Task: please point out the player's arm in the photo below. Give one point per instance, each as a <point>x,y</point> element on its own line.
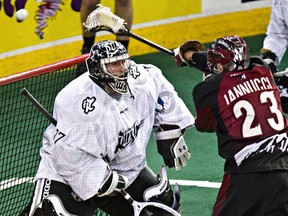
<point>205,120</point>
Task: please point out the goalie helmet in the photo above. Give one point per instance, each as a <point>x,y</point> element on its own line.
<point>228,53</point>
<point>109,62</point>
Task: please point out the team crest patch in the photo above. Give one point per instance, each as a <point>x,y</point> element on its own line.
<point>88,104</point>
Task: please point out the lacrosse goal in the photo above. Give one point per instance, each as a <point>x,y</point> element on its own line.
<point>22,127</point>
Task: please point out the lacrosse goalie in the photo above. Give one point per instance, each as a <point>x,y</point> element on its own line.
<point>98,147</point>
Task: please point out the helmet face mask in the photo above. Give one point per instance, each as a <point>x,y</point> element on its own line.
<point>109,62</point>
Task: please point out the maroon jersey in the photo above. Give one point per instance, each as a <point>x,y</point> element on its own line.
<point>244,109</point>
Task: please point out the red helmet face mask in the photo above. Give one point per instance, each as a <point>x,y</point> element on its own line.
<point>221,56</point>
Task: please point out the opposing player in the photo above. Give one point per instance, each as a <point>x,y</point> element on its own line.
<point>240,102</point>
<point>275,45</point>
<point>104,120</point>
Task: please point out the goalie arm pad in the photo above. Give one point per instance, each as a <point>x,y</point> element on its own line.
<point>171,145</point>
<point>183,53</point>
<point>114,182</point>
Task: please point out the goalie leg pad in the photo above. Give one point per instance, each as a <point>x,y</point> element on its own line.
<point>53,206</point>
<point>163,193</point>
<point>159,188</point>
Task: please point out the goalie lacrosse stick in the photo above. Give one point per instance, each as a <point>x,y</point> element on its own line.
<point>149,208</point>
<point>30,97</point>
<point>102,19</point>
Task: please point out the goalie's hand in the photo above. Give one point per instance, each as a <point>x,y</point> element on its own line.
<point>179,52</point>
<point>112,184</point>
<point>171,145</point>
<point>269,57</point>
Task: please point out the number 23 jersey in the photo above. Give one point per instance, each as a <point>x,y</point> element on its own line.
<point>244,109</point>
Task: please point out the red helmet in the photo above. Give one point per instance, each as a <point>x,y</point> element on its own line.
<point>229,52</point>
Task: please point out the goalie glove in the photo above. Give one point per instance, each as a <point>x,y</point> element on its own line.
<point>171,145</point>
<point>114,182</point>
<point>191,45</point>
<point>269,57</point>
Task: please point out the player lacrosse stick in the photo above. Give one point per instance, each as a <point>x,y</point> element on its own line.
<point>102,19</point>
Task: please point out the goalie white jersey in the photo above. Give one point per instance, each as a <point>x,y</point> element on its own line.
<point>92,125</point>
<point>277,30</point>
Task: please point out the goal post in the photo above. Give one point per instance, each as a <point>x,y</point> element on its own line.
<point>22,128</point>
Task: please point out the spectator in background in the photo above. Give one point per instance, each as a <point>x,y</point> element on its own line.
<point>275,45</point>
<point>123,9</point>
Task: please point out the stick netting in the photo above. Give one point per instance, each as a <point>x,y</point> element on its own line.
<point>22,127</point>
<point>102,18</point>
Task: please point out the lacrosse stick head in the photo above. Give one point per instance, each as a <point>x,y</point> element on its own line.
<point>102,19</point>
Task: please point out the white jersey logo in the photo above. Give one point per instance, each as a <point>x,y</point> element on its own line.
<point>128,137</point>
<point>87,104</point>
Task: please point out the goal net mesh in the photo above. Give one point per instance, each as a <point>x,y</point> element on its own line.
<point>22,128</point>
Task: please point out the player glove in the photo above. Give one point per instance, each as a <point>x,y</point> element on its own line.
<point>192,45</point>
<point>171,145</point>
<point>114,182</point>
<point>269,57</point>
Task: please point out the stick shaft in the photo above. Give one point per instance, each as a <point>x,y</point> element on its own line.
<point>30,97</point>
<point>150,43</point>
